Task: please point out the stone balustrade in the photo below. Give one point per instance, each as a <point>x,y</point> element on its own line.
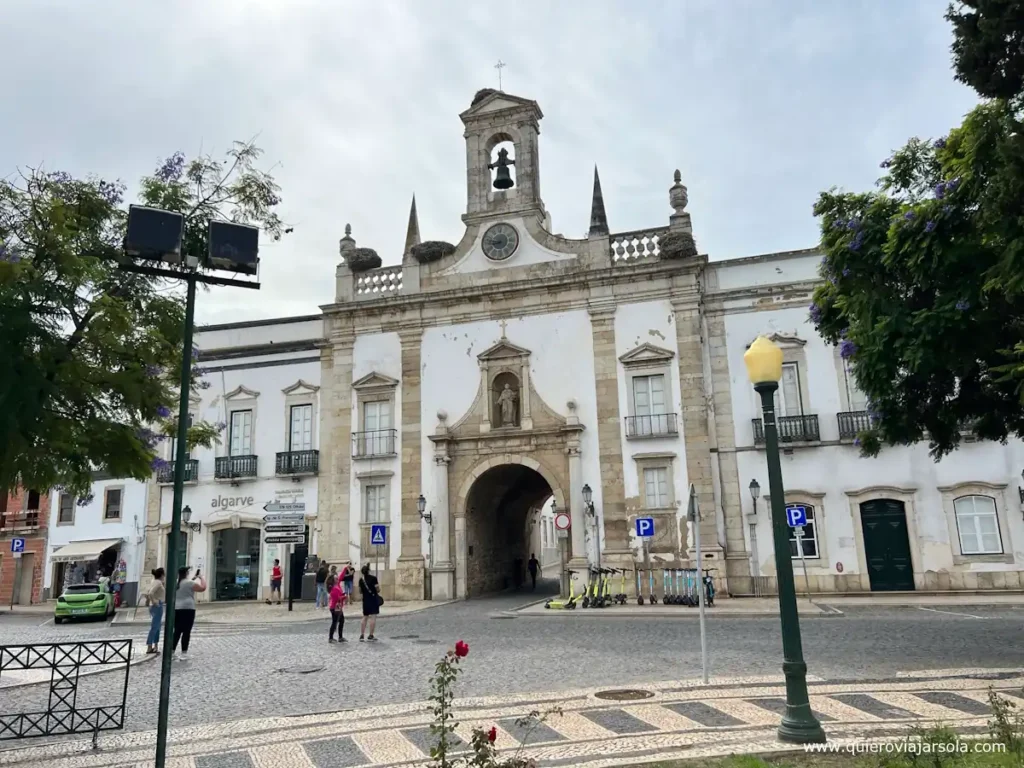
<point>374,283</point>
<point>641,244</point>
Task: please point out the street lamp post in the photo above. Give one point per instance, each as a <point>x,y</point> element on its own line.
<point>755,493</point>
<point>799,726</point>
<point>186,517</point>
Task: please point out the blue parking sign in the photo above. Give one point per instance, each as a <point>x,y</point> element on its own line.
<point>796,516</point>
<point>17,545</point>
<point>645,527</point>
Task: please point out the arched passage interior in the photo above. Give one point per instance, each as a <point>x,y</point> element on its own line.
<point>502,511</point>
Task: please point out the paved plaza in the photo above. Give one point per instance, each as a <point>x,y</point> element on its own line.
<point>263,688</point>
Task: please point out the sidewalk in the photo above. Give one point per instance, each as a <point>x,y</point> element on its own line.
<point>597,726</point>
<point>260,613</point>
<point>832,604</point>
<point>14,678</point>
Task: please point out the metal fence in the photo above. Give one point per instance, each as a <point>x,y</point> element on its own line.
<point>64,661</point>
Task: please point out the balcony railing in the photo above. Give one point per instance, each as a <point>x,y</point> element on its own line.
<point>165,475</point>
<point>657,425</point>
<point>852,423</point>
<point>298,463</point>
<point>379,443</point>
<point>13,521</point>
<point>791,429</point>
<point>231,467</point>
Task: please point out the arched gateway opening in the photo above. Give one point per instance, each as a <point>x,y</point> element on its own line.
<point>502,527</point>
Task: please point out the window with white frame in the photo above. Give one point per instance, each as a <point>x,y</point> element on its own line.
<point>376,415</point>
<point>978,525</point>
<point>656,488</point>
<point>788,401</point>
<point>240,439</point>
<point>648,401</point>
<point>66,510</point>
<point>375,502</point>
<point>300,436</point>
<point>854,396</point>
<point>809,538</point>
<point>112,504</point>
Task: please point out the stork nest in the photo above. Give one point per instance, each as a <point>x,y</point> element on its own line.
<point>482,94</point>
<point>363,259</point>
<point>677,245</point>
<point>432,250</point>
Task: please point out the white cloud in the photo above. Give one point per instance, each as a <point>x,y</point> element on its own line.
<point>760,105</point>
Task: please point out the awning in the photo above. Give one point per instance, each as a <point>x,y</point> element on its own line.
<point>83,551</point>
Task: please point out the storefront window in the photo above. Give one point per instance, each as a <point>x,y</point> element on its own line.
<point>237,571</point>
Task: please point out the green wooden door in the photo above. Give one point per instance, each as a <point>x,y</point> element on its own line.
<point>887,545</point>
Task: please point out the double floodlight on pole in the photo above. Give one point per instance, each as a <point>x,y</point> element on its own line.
<point>764,366</point>
<point>155,235</point>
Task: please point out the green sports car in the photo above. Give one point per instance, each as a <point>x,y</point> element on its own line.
<point>84,601</point>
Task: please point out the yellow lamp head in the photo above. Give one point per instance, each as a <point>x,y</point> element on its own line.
<point>764,361</point>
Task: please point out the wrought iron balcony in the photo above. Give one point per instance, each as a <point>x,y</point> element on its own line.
<point>852,423</point>
<point>656,425</point>
<point>232,467</point>
<point>368,444</point>
<point>791,429</point>
<point>297,463</point>
<point>165,475</point>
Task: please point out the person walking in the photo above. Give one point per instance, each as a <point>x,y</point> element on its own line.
<point>321,584</point>
<point>348,574</point>
<point>275,582</point>
<point>332,579</point>
<point>336,602</point>
<point>369,588</point>
<point>532,566</point>
<point>185,609</point>
<point>155,596</point>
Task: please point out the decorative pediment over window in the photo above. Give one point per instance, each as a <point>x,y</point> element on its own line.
<point>503,351</point>
<point>241,393</point>
<point>645,355</point>
<point>301,387</point>
<point>374,380</point>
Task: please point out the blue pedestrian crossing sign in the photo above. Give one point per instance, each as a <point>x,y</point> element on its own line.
<point>17,545</point>
<point>645,527</point>
<point>378,535</point>
<point>796,516</point>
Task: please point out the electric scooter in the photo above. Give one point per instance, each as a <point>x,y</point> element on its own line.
<point>639,586</point>
<point>621,597</point>
<point>666,587</point>
<point>652,599</point>
<point>569,603</point>
<point>709,588</point>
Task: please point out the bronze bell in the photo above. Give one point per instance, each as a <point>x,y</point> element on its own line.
<point>503,179</point>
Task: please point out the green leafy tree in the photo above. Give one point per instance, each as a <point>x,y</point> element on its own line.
<point>924,277</point>
<point>91,353</point>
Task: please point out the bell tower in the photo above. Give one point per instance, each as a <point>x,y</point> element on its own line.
<point>496,118</point>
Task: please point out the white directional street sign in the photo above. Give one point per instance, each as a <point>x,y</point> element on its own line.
<point>290,538</point>
<point>284,527</point>
<point>285,506</point>
<point>285,517</point>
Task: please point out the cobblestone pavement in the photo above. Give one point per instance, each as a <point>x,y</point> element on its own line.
<point>247,671</point>
<point>592,727</point>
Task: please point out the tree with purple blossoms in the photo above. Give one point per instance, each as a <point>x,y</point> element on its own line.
<point>923,286</point>
<point>91,353</point>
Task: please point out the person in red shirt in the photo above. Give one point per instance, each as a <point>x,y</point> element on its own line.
<point>275,582</point>
<point>336,602</point>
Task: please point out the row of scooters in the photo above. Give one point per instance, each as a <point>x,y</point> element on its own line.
<point>678,587</point>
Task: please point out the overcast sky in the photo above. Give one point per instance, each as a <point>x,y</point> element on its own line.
<point>760,105</point>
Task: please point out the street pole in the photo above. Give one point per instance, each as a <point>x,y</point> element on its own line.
<point>694,515</point>
<point>180,453</point>
<point>799,726</point>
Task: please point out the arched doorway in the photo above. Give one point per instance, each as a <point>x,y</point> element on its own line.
<point>502,508</point>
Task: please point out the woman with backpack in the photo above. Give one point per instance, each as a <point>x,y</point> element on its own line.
<point>369,588</point>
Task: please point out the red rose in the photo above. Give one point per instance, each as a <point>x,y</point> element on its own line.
<point>492,734</point>
<point>461,649</point>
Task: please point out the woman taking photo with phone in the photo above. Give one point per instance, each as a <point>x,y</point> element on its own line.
<point>185,609</point>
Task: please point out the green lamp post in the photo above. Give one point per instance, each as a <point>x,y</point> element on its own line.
<point>799,726</point>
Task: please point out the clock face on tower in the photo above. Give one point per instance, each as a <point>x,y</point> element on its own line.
<point>500,242</point>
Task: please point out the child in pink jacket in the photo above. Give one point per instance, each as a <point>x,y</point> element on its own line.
<point>336,601</point>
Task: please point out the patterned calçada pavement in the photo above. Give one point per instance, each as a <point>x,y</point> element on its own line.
<point>668,720</point>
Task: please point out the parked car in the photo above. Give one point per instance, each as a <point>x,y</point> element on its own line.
<point>84,601</point>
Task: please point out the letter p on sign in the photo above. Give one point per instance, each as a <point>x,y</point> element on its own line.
<point>645,527</point>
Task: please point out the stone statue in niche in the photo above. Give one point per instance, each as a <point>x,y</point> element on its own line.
<point>506,400</point>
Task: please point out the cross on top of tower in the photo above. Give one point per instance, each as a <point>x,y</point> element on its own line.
<point>503,322</point>
<point>500,66</point>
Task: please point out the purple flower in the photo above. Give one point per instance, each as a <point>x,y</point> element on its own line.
<point>163,411</point>
<point>852,224</point>
<point>221,426</point>
<point>60,177</point>
<point>815,313</point>
<point>84,501</point>
<point>940,190</point>
<point>9,254</point>
<point>148,437</point>
<point>198,372</point>
<point>856,441</point>
<point>909,215</point>
<point>153,371</point>
<point>172,168</point>
<point>963,305</point>
<point>111,192</point>
<point>939,144</point>
<point>838,224</point>
<point>195,353</point>
<point>947,209</point>
<point>929,227</point>
<point>953,184</point>
<point>204,384</point>
<point>157,464</point>
<point>847,349</point>
<point>857,241</point>
<point>846,272</point>
<point>885,163</point>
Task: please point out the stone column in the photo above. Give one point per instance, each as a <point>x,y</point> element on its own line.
<point>577,513</point>
<point>609,434</point>
<point>410,576</point>
<point>335,487</point>
<point>442,572</point>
